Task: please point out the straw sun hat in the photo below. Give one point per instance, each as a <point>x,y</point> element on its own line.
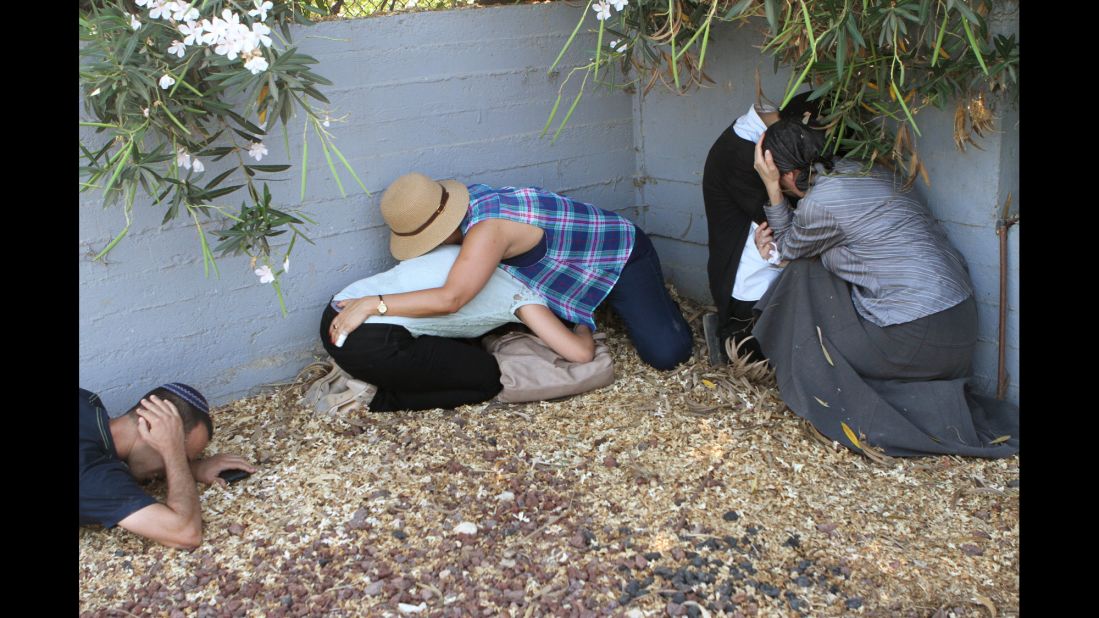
<point>421,213</point>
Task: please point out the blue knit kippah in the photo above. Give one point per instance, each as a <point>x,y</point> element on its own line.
<point>188,394</point>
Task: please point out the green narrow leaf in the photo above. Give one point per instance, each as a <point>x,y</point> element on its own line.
<point>174,120</point>
<point>900,99</point>
<point>853,30</point>
<point>220,177</point>
<point>117,238</point>
<point>553,112</point>
<point>572,36</point>
<point>304,156</point>
<point>772,18</point>
<point>183,82</point>
<point>974,46</point>
<point>207,256</point>
<point>809,30</point>
<point>790,92</point>
<point>599,48</point>
<point>350,169</point>
<point>841,49</point>
<point>675,63</point>
<point>278,291</point>
<point>737,9</point>
<point>331,165</point>
<point>125,153</point>
<point>705,42</point>
<point>571,108</point>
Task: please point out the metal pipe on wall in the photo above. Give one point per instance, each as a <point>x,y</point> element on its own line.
<point>1003,224</point>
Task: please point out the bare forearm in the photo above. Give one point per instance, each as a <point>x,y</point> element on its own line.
<point>424,303</point>
<point>182,494</point>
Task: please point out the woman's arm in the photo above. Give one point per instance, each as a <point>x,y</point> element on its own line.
<point>809,231</point>
<point>482,249</point>
<point>577,346</point>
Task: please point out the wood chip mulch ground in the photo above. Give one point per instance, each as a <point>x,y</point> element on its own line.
<point>692,492</point>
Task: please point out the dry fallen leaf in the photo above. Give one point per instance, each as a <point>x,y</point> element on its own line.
<point>850,435</point>
<point>827,356</point>
<point>987,602</point>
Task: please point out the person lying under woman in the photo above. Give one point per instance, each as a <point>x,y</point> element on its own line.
<point>421,363</point>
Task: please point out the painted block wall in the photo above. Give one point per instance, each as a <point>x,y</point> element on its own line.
<point>459,94</point>
<point>464,94</point>
<point>674,134</point>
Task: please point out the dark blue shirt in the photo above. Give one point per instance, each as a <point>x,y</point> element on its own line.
<point>108,492</point>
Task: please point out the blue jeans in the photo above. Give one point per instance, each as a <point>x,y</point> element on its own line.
<point>654,323</point>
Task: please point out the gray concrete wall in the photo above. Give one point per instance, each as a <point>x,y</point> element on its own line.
<point>674,134</point>
<point>459,94</point>
<point>464,94</point>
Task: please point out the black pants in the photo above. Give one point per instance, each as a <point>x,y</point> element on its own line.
<point>414,373</point>
<point>740,318</point>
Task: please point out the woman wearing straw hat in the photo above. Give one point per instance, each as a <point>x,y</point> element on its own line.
<point>872,325</point>
<point>572,254</point>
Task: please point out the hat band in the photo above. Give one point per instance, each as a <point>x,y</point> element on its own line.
<point>431,219</point>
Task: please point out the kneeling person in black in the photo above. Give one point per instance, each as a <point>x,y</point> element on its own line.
<point>163,434</point>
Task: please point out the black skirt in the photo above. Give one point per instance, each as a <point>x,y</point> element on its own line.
<point>901,388</point>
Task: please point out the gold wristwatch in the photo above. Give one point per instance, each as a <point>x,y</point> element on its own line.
<point>381,306</point>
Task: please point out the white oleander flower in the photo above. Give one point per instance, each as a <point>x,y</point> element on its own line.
<point>135,23</point>
<point>185,12</point>
<point>260,32</point>
<point>177,48</point>
<point>192,32</point>
<point>286,264</point>
<point>257,151</point>
<point>602,10</point>
<point>264,273</point>
<point>257,64</point>
<point>158,10</point>
<point>197,166</point>
<point>166,81</point>
<point>619,48</point>
<point>618,4</point>
<point>260,10</point>
<point>183,159</point>
<point>212,30</point>
<point>96,92</point>
<point>145,111</point>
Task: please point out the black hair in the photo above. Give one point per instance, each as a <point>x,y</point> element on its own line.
<point>796,146</point>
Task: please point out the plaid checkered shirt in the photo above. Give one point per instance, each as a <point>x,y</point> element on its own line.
<point>586,247</point>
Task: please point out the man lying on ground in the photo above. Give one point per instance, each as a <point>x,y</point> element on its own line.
<point>162,435</point>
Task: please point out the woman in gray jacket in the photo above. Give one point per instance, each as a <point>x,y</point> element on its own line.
<point>872,325</point>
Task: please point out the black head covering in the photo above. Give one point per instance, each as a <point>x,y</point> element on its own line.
<point>795,109</point>
<point>796,146</point>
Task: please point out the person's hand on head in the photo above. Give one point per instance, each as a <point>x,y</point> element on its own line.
<point>765,165</point>
<point>206,470</point>
<point>159,424</point>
